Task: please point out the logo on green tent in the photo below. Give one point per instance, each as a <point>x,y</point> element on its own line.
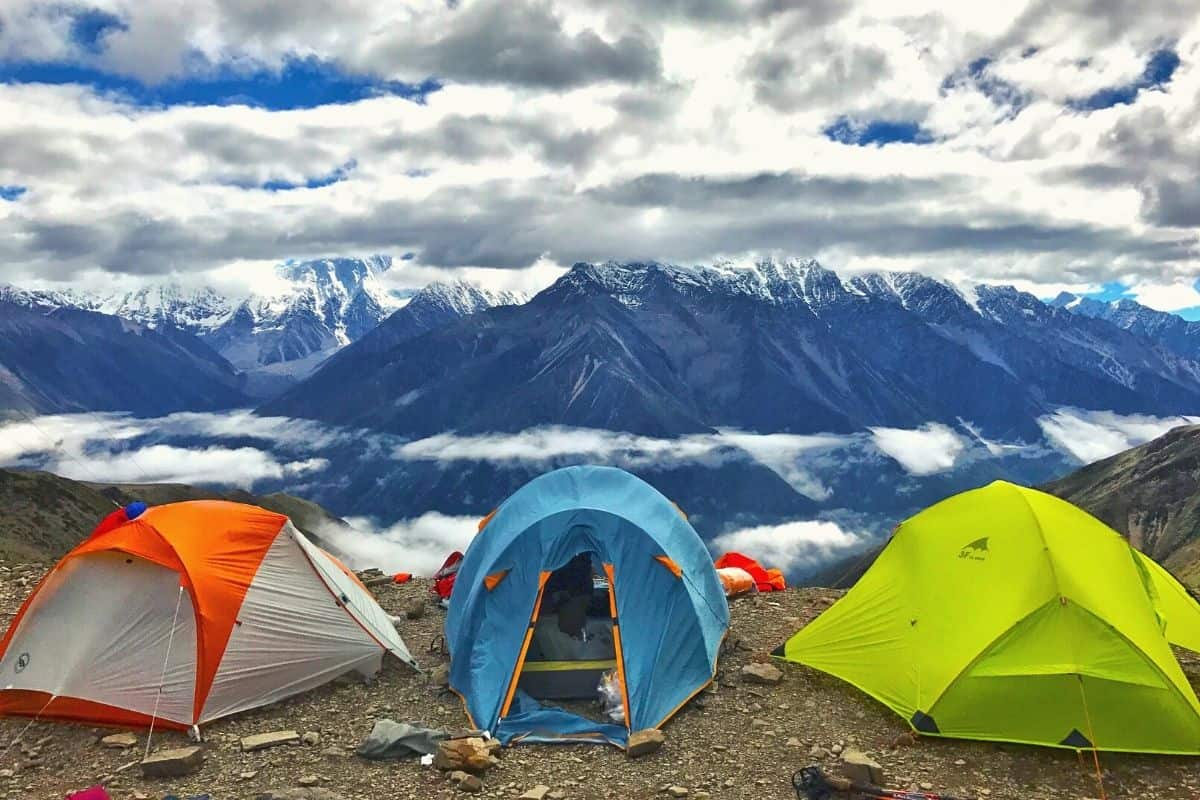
<point>976,550</point>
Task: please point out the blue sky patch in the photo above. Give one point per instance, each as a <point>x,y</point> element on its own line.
<point>90,26</point>
<point>11,193</point>
<point>334,176</point>
<point>301,83</point>
<point>1159,69</point>
<point>979,76</point>
<point>876,132</point>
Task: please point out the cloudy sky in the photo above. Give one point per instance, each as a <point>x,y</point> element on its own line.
<point>1051,144</point>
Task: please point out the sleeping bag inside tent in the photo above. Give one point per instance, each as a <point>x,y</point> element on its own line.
<point>182,613</point>
<point>1004,613</point>
<point>584,572</point>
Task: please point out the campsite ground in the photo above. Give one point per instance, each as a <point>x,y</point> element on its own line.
<point>740,741</point>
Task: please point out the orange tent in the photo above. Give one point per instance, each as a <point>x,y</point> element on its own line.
<point>186,613</point>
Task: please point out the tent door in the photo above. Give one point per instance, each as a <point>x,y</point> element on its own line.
<point>573,636</point>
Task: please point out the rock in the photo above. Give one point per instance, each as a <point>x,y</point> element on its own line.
<point>415,610</point>
<point>762,673</point>
<point>794,742</point>
<point>469,755</point>
<point>538,792</point>
<point>248,775</point>
<point>471,784</point>
<point>306,793</point>
<point>677,791</point>
<point>261,741</point>
<point>312,739</point>
<point>644,742</point>
<point>119,741</point>
<point>816,751</point>
<point>173,763</point>
<point>309,780</point>
<point>557,794</point>
<point>440,676</point>
<point>861,768</point>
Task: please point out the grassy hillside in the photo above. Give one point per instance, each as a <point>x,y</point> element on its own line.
<point>46,515</point>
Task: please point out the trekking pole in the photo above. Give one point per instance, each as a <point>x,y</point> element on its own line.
<point>811,783</point>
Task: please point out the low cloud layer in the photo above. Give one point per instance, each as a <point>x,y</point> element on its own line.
<point>793,547</point>
<point>924,451</point>
<point>1093,435</point>
<point>419,545</point>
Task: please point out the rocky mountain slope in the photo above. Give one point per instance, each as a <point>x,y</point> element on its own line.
<point>790,346</point>
<point>1151,494</point>
<point>67,359</point>
<point>46,515</point>
<point>1169,330</point>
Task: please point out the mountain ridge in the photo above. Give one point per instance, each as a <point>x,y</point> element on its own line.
<point>774,347</point>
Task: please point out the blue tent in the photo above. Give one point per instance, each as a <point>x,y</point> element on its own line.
<point>670,609</point>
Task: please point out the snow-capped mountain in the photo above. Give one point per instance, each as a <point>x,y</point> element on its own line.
<point>775,346</point>
<point>275,338</point>
<point>1169,330</point>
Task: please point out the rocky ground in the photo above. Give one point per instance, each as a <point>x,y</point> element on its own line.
<point>739,740</point>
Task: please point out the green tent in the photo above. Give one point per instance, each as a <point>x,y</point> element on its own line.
<point>1006,614</point>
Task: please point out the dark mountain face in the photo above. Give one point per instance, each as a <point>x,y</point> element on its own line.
<point>71,360</point>
<point>1178,335</point>
<point>791,347</point>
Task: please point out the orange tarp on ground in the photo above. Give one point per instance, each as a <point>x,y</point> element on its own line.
<point>767,580</point>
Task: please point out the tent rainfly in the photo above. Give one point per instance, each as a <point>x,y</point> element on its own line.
<point>182,613</point>
<point>1007,614</point>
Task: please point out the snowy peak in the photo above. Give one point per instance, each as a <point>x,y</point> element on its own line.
<point>461,298</point>
<point>193,310</point>
<point>1168,330</point>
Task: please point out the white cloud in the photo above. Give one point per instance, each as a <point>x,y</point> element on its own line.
<point>923,451</point>
<point>417,545</point>
<point>791,546</point>
<point>242,466</point>
<point>1168,297</point>
<point>559,119</point>
<point>1094,435</point>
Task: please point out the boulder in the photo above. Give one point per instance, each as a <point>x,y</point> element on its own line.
<point>861,768</point>
<point>644,742</point>
<point>677,791</point>
<point>468,755</point>
<point>312,739</point>
<point>119,741</point>
<point>173,763</point>
<point>415,610</point>
<point>261,741</point>
<point>538,792</point>
<point>762,673</point>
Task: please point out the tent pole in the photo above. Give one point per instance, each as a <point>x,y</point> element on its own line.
<point>163,676</point>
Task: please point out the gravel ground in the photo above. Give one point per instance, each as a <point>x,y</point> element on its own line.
<point>738,740</point>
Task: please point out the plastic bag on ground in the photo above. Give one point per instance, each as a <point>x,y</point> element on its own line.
<point>390,739</point>
<point>736,580</point>
<point>611,704</point>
